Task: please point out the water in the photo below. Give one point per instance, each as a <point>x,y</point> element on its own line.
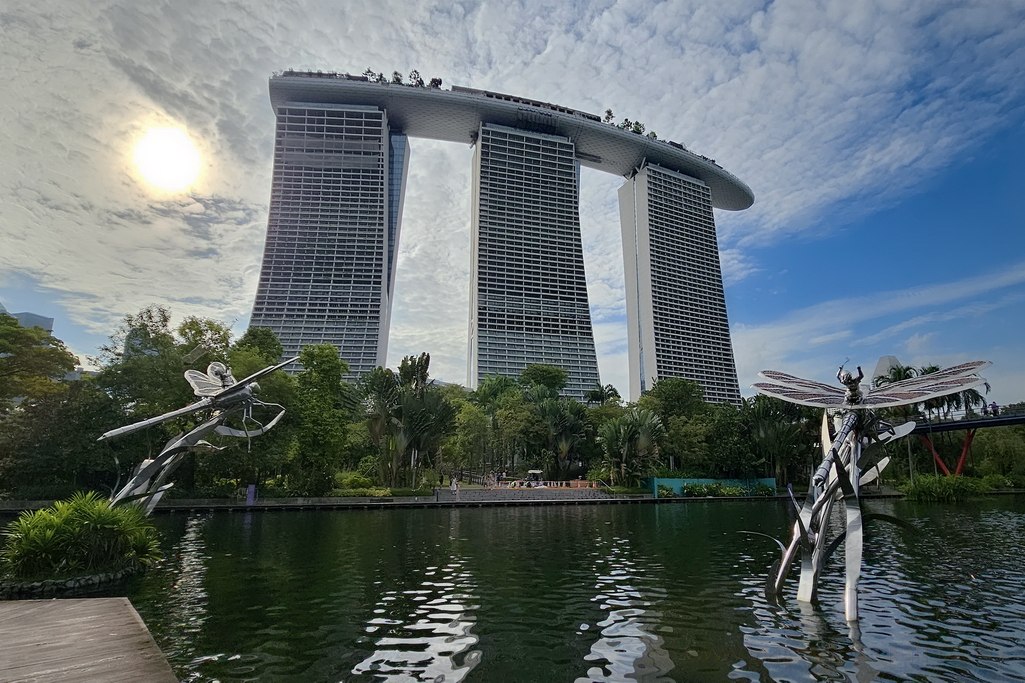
<point>602,593</point>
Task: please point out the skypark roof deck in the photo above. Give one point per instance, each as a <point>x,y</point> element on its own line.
<point>456,115</point>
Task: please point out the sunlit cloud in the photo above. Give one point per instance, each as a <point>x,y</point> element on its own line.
<point>817,109</point>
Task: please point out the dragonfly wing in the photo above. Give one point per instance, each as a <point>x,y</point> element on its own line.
<point>203,384</point>
<point>805,397</point>
<point>953,372</point>
<point>777,377</point>
<point>890,395</point>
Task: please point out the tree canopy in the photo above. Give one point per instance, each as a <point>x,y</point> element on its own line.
<point>31,361</point>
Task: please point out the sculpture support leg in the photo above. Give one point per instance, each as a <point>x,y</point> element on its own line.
<point>854,540</point>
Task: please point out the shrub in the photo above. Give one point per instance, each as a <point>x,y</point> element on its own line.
<point>406,493</point>
<point>666,492</point>
<point>760,489</point>
<point>996,481</point>
<point>620,490</point>
<point>353,480</point>
<point>932,489</point>
<point>367,465</point>
<point>83,535</point>
<point>360,493</point>
<point>1017,481</point>
<point>597,474</point>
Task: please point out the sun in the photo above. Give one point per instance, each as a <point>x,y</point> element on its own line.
<point>167,159</point>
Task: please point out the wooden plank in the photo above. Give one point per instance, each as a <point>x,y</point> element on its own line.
<point>92,639</point>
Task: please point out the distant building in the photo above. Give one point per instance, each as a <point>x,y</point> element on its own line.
<point>30,319</point>
<point>340,163</point>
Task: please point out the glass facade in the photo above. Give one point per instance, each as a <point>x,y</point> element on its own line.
<point>676,308</point>
<point>328,264</point>
<point>528,296</point>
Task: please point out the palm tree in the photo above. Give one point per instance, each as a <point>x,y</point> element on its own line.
<point>602,395</point>
<point>630,445</point>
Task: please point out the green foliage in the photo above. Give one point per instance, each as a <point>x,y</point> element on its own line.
<point>997,482</point>
<point>324,406</point>
<point>603,395</point>
<point>213,337</point>
<point>627,490</point>
<point>370,492</point>
<point>932,489</point>
<point>630,446</point>
<point>674,397</point>
<point>48,447</point>
<point>353,480</point>
<point>264,342</point>
<point>713,490</point>
<point>83,535</point>
<point>410,493</point>
<point>31,360</point>
<point>666,492</point>
<point>550,376</point>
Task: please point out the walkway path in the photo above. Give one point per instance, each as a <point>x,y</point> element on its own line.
<point>95,639</point>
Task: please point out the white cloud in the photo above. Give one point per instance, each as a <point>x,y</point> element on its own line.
<point>813,104</point>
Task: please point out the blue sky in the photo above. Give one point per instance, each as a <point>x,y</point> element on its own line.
<point>883,141</point>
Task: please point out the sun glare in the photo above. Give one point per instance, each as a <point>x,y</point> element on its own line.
<point>167,159</point>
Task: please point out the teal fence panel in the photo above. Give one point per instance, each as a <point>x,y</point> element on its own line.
<point>677,484</point>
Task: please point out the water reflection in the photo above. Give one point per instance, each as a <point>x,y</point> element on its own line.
<point>184,610</point>
<point>424,633</point>
<point>940,603</point>
<point>629,646</point>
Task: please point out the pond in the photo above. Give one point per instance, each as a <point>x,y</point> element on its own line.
<point>563,593</point>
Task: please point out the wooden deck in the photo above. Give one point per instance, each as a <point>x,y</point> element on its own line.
<point>93,639</point>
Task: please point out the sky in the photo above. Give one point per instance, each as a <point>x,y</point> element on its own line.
<point>884,142</point>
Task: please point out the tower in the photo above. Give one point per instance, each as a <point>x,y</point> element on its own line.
<point>528,294</point>
<point>335,214</point>
<point>676,309</point>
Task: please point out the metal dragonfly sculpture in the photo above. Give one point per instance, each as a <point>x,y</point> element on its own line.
<point>849,462</point>
<point>229,404</point>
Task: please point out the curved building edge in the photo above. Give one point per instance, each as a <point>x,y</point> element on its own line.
<point>455,115</point>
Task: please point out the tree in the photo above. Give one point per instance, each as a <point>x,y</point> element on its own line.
<point>779,433</point>
<point>415,79</point>
<point>493,387</point>
<point>602,395</point>
<point>414,372</point>
<point>202,333</point>
<point>48,447</point>
<point>609,116</point>
<point>435,82</point>
<point>544,375</point>
<point>673,397</point>
<point>323,408</point>
<point>264,342</point>
<point>652,135</point>
<point>396,77</point>
<point>142,368</point>
<point>379,390</point>
<point>631,446</point>
<point>31,360</point>
<point>637,127</point>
